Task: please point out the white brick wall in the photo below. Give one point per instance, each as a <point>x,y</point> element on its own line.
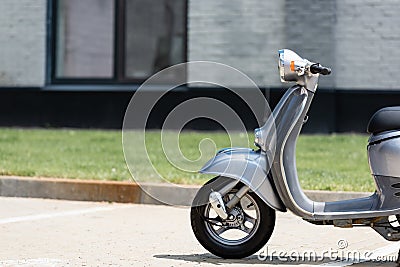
<point>359,39</point>
<point>368,44</point>
<point>22,42</point>
<point>310,28</point>
<point>243,34</point>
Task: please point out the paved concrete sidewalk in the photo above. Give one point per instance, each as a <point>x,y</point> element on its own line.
<point>40,232</point>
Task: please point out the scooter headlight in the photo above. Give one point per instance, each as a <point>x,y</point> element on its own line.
<point>291,65</point>
<point>282,64</point>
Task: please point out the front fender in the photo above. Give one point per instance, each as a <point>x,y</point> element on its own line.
<point>250,168</point>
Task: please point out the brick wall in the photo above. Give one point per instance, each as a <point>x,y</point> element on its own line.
<point>309,31</point>
<point>359,39</point>
<point>22,42</point>
<point>243,34</point>
<point>368,44</point>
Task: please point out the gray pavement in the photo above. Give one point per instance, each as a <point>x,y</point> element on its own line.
<point>39,232</point>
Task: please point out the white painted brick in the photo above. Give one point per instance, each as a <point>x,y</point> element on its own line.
<point>243,34</point>
<point>359,39</point>
<point>22,39</point>
<point>367,45</point>
<point>351,36</point>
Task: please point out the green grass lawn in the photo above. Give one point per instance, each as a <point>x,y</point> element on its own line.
<point>326,162</point>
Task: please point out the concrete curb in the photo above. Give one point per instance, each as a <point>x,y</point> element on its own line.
<point>124,192</point>
<point>70,189</point>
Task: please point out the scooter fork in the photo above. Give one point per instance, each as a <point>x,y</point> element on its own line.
<point>218,204</point>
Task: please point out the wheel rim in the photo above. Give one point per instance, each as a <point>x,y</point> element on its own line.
<point>238,230</point>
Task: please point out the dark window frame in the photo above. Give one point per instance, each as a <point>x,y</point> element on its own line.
<point>119,51</point>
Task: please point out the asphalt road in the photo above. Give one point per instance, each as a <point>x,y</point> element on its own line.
<point>38,232</point>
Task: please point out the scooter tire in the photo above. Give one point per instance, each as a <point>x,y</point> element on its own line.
<point>248,248</point>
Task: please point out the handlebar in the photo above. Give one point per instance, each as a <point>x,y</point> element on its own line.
<point>318,68</point>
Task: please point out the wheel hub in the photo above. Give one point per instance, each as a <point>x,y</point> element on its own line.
<point>235,218</point>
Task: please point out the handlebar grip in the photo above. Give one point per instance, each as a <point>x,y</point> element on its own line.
<point>317,68</point>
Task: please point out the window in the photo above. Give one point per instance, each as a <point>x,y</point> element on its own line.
<point>161,31</point>
<point>116,41</point>
<point>85,32</point>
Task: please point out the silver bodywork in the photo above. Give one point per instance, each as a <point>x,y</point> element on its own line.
<point>248,167</point>
<point>383,154</point>
<point>277,141</point>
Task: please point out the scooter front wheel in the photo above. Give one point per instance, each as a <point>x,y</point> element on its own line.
<point>247,229</point>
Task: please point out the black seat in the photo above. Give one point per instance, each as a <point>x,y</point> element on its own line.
<point>385,119</point>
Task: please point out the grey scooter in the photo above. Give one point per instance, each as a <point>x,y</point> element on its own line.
<point>233,215</point>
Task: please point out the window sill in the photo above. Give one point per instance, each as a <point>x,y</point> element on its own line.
<point>107,87</point>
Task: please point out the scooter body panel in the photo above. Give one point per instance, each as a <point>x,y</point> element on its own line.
<point>249,167</point>
<point>384,154</point>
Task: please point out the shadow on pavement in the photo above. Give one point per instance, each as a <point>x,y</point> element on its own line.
<point>209,258</point>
